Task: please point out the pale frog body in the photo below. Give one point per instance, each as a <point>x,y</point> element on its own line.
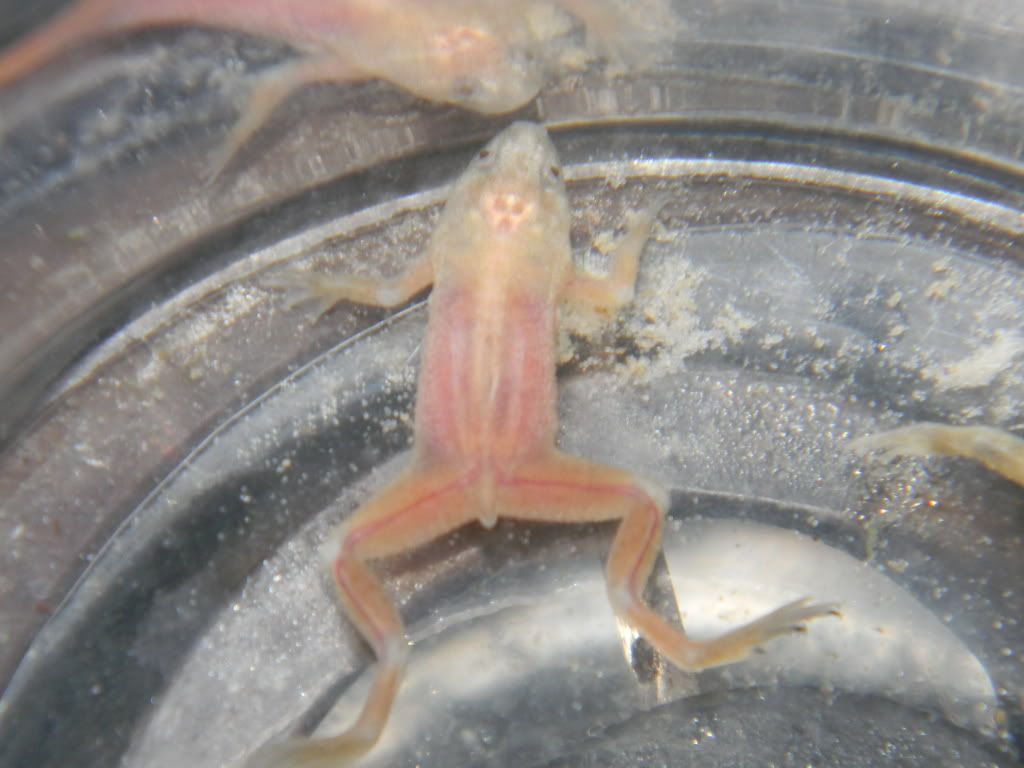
<point>489,56</point>
<point>500,263</point>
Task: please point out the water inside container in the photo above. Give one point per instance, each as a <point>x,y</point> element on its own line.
<point>802,287</point>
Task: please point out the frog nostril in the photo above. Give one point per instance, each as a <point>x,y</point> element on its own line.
<point>466,88</point>
<point>508,202</point>
<point>506,211</point>
<point>458,40</point>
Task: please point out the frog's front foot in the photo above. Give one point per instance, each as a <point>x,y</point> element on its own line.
<point>322,292</point>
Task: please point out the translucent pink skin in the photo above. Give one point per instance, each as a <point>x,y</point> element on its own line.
<point>89,20</point>
<point>500,262</point>
<point>466,52</point>
<point>488,56</point>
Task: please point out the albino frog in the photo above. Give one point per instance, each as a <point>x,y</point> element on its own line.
<point>501,264</point>
<point>489,56</point>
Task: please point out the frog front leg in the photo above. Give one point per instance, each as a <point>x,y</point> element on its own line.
<point>266,95</point>
<point>327,291</point>
<point>424,503</point>
<point>610,293</point>
<point>563,489</point>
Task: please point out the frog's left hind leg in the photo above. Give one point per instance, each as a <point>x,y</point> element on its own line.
<point>564,489</point>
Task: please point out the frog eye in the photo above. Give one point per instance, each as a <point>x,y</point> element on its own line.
<point>484,154</point>
<point>555,171</point>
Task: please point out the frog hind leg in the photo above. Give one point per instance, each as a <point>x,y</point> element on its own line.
<point>76,24</point>
<point>418,507</point>
<point>564,489</point>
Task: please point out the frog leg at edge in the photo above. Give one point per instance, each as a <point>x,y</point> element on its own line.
<point>996,449</point>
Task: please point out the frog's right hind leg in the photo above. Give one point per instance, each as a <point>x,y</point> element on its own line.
<point>419,506</point>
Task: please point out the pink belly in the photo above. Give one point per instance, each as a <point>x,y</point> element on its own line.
<point>487,386</point>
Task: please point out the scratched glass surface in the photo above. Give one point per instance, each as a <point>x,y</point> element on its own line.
<point>840,254</point>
